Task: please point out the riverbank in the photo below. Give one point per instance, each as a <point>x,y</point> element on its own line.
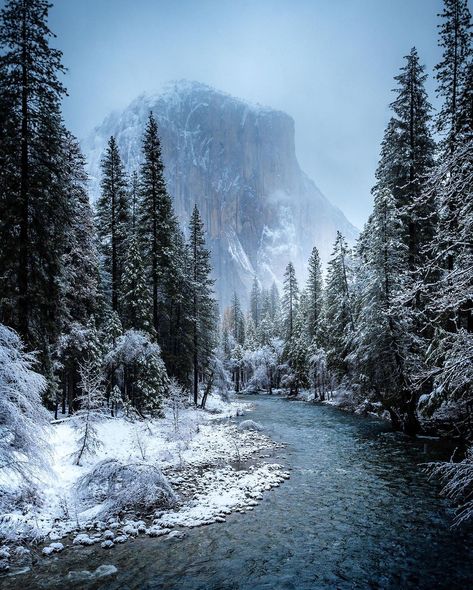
<point>212,466</point>
<point>357,512</point>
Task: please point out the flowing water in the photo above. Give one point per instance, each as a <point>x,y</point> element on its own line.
<point>358,512</point>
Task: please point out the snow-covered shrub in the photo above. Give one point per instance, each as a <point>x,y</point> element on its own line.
<point>79,345</point>
<point>137,364</point>
<point>119,486</point>
<point>222,380</point>
<point>263,364</point>
<point>318,372</point>
<point>250,425</point>
<point>458,484</point>
<point>23,419</point>
<point>91,410</point>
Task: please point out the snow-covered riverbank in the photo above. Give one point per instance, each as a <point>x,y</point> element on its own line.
<point>213,466</point>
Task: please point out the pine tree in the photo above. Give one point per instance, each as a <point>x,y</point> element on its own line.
<point>456,42</point>
<point>157,222</point>
<point>136,305</point>
<point>290,298</point>
<point>407,155</point>
<point>203,304</point>
<point>177,346</point>
<point>113,222</point>
<point>134,201</point>
<point>296,350</point>
<point>314,294</point>
<point>255,302</point>
<point>237,320</point>
<point>80,266</point>
<point>382,345</point>
<point>338,308</point>
<point>78,346</point>
<point>32,180</point>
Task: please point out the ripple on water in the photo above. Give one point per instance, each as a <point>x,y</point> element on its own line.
<point>357,513</point>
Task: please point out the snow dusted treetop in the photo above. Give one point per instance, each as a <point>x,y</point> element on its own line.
<point>23,419</point>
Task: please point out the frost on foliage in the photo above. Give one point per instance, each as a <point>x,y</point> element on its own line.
<point>458,480</point>
<point>139,368</point>
<point>92,406</point>
<point>23,420</point>
<point>119,486</point>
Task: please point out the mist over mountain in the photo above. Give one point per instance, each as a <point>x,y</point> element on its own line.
<point>237,161</point>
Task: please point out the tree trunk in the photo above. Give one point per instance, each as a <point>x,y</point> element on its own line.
<point>23,270</point>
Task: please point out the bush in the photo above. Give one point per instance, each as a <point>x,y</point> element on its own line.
<point>120,487</point>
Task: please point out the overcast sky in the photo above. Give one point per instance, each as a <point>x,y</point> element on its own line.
<point>328,63</point>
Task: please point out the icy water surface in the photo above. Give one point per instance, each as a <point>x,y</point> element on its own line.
<point>357,513</point>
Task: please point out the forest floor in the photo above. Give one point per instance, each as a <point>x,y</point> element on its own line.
<point>214,465</point>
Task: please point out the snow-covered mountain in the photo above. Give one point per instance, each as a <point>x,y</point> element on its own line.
<point>238,163</point>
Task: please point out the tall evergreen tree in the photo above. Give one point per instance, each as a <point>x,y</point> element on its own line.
<point>382,342</point>
<point>35,206</point>
<point>255,302</point>
<point>338,308</point>
<point>314,294</point>
<point>80,273</point>
<point>456,42</point>
<point>407,155</point>
<point>290,298</point>
<point>113,222</point>
<point>203,304</point>
<point>135,304</point>
<point>157,222</point>
<point>237,320</point>
<point>134,201</point>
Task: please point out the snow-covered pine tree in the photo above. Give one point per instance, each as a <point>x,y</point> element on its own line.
<point>134,200</point>
<point>296,349</point>
<point>33,194</point>
<point>290,300</point>
<point>91,408</point>
<point>80,271</point>
<point>451,72</point>
<point>113,219</point>
<point>237,320</point>
<point>255,302</point>
<point>314,295</point>
<point>139,371</point>
<point>381,360</point>
<point>157,223</point>
<point>23,420</point>
<point>338,308</point>
<point>203,304</point>
<point>135,304</point>
<point>411,156</point>
<point>275,302</point>
<point>78,346</point>
<point>176,330</point>
<point>449,286</point>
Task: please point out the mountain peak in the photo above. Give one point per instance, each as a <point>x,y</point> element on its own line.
<point>237,161</point>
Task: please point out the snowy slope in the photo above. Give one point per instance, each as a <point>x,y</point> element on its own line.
<point>238,163</point>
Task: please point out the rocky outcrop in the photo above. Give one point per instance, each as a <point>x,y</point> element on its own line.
<point>238,163</point>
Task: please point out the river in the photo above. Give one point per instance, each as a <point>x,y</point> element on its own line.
<point>358,512</point>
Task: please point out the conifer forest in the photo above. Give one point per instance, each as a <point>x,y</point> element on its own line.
<point>209,378</point>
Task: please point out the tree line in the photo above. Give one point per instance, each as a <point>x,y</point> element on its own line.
<point>392,322</point>
<point>117,288</point>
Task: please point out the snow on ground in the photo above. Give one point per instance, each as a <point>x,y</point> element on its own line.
<point>214,467</point>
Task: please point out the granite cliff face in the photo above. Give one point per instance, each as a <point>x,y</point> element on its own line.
<point>238,163</point>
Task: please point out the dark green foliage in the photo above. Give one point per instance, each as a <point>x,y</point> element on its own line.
<point>113,218</point>
<point>204,310</point>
